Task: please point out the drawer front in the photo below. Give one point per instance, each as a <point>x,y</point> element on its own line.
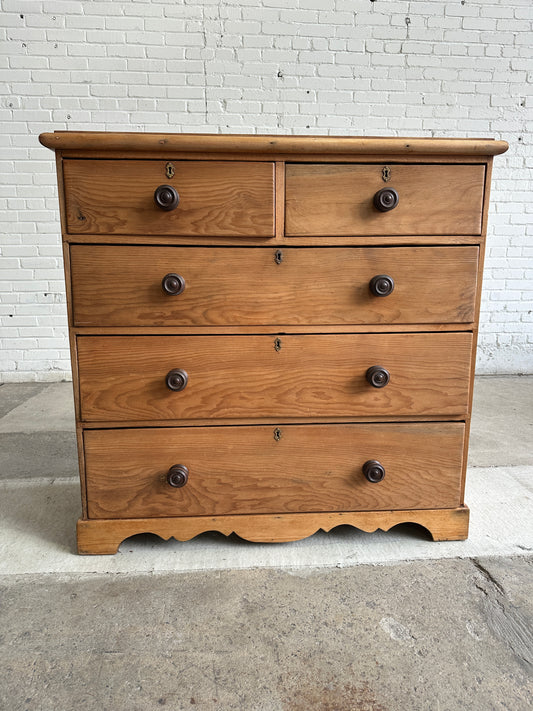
<point>124,378</point>
<point>125,286</point>
<point>336,200</point>
<point>215,198</point>
<point>240,470</point>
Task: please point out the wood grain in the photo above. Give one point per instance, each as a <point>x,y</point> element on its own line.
<point>72,346</point>
<point>308,241</point>
<point>243,143</point>
<point>101,537</point>
<point>216,197</point>
<point>280,157</point>
<point>240,470</point>
<point>233,194</point>
<point>235,421</point>
<point>278,329</point>
<point>280,200</point>
<point>482,248</point>
<point>121,285</point>
<point>337,199</point>
<point>123,377</point>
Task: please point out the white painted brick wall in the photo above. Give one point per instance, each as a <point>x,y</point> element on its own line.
<point>433,68</point>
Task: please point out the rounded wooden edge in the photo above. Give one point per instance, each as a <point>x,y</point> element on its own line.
<point>104,536</point>
<point>239,143</point>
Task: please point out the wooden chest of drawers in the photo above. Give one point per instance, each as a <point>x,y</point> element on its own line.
<point>271,335</point>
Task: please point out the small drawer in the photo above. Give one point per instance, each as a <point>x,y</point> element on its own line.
<point>196,471</point>
<point>340,200</point>
<point>194,286</point>
<point>137,197</point>
<point>139,378</point>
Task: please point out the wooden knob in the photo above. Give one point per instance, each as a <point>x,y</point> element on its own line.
<point>386,199</point>
<point>177,380</point>
<point>178,476</point>
<point>374,471</point>
<point>173,284</point>
<point>381,285</point>
<point>166,197</point>
<point>378,376</point>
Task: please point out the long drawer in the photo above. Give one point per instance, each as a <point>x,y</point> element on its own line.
<point>336,199</point>
<point>194,286</point>
<point>131,378</point>
<point>294,468</point>
<point>215,197</point>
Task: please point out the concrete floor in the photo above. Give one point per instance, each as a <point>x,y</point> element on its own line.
<point>344,621</point>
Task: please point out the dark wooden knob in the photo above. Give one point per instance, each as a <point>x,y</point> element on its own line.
<point>381,285</point>
<point>166,197</point>
<point>386,199</point>
<point>177,476</point>
<point>177,379</point>
<point>374,471</point>
<point>378,376</point>
<point>173,284</point>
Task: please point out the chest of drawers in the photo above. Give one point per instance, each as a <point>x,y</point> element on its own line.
<point>271,335</point>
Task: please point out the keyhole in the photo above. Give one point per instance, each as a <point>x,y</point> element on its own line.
<point>277,434</point>
<point>278,256</point>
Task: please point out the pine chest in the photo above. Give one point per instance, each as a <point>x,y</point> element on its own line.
<point>271,335</point>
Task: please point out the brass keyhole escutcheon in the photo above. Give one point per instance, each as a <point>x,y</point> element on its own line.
<point>277,434</point>
<point>386,174</point>
<point>170,171</point>
<point>278,256</point>
<point>277,345</point>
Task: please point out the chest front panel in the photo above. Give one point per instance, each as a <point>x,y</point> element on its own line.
<point>271,335</point>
